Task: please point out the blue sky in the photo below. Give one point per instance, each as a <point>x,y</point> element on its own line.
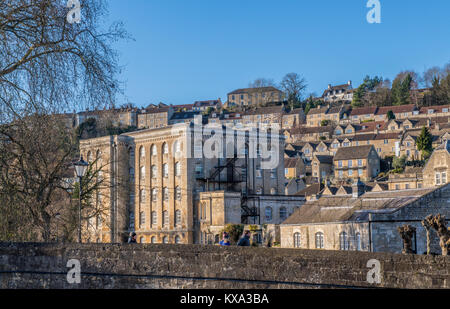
<point>188,50</point>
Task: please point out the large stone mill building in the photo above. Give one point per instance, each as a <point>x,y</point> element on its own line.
<point>161,184</point>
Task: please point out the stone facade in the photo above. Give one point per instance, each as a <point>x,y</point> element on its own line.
<point>437,169</point>
<point>368,221</point>
<point>157,176</point>
<point>211,267</point>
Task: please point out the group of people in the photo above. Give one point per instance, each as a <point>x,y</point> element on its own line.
<point>243,242</point>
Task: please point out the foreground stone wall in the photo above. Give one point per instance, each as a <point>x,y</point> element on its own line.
<point>194,266</point>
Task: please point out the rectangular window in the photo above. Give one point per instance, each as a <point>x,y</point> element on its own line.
<point>444,178</point>
<point>340,164</point>
<point>438,179</point>
<point>350,163</point>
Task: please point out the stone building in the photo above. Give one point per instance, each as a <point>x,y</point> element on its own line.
<point>411,178</point>
<point>157,178</point>
<point>154,117</point>
<point>358,221</point>
<point>356,162</point>
<point>254,96</point>
<point>437,169</point>
<point>338,93</point>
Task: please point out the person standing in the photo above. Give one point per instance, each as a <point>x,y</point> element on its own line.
<point>245,239</point>
<point>225,240</point>
<point>132,238</point>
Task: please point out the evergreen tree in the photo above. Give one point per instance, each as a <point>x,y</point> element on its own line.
<point>425,142</point>
<point>390,115</point>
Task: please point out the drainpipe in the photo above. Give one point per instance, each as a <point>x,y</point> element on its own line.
<point>370,233</point>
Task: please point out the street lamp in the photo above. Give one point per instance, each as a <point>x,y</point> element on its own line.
<point>80,170</point>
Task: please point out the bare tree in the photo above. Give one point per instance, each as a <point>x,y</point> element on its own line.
<point>48,64</point>
<point>262,82</point>
<point>35,174</point>
<point>293,86</point>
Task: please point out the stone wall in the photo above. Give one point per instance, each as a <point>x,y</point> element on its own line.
<point>194,266</point>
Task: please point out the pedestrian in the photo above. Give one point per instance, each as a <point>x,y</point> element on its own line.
<point>245,239</point>
<point>132,238</point>
<point>225,240</point>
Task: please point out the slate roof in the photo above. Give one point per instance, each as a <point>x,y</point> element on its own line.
<point>328,209</point>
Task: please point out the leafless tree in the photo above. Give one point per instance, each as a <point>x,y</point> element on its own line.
<point>262,82</point>
<point>293,86</point>
<point>35,179</point>
<point>48,64</point>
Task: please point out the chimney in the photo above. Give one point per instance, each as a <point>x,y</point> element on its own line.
<point>349,82</point>
<point>329,86</point>
<point>357,188</point>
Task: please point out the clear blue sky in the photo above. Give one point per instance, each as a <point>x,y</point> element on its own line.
<point>187,50</point>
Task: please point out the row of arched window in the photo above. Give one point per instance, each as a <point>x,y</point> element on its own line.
<point>165,240</point>
<point>344,243</point>
<point>165,171</point>
<point>165,219</point>
<point>164,149</point>
<point>154,194</point>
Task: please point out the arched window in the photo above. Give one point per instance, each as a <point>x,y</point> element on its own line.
<point>165,194</point>
<point>154,194</point>
<point>141,219</point>
<point>154,150</point>
<point>343,241</point>
<point>165,170</point>
<point>165,222</point>
<point>142,153</point>
<point>153,240</point>
<point>178,218</point>
<point>165,240</point>
<point>319,240</point>
<point>154,218</point>
<point>177,239</point>
<point>177,169</point>
<point>177,147</point>
<point>358,241</point>
<point>268,213</point>
<point>297,240</point>
<point>154,171</point>
<point>142,195</point>
<point>283,213</point>
<point>178,193</point>
<point>165,148</point>
<point>142,172</point>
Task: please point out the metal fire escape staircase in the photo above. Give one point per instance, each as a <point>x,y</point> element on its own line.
<point>231,180</point>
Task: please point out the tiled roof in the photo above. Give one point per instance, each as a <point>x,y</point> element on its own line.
<point>396,109</point>
<point>265,110</point>
<point>253,90</point>
<point>351,153</point>
<point>324,159</point>
<point>363,111</point>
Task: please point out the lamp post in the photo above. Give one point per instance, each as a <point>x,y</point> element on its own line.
<point>80,170</point>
